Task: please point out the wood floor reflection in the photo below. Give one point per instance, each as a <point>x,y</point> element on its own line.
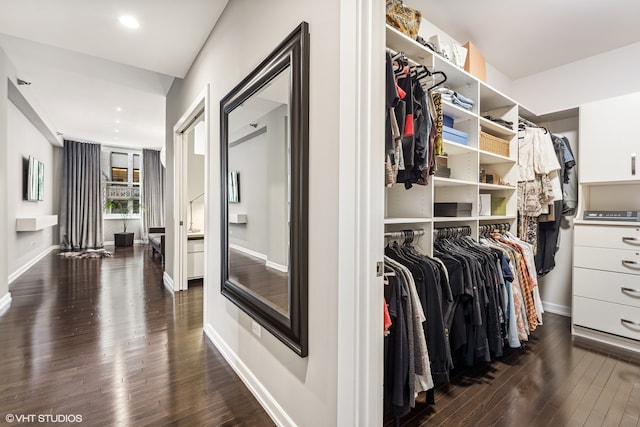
<point>102,338</point>
<point>270,284</point>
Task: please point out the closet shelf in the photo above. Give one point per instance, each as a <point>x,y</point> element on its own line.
<point>450,182</point>
<point>488,158</point>
<point>456,76</point>
<point>493,99</point>
<point>458,113</point>
<point>388,221</point>
<point>484,186</point>
<point>495,129</point>
<point>455,218</point>
<point>453,148</point>
<point>399,42</point>
<point>497,218</point>
<point>402,43</point>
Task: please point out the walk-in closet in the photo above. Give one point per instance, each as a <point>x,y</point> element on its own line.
<point>482,197</point>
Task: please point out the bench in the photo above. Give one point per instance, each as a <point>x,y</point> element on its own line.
<point>156,240</point>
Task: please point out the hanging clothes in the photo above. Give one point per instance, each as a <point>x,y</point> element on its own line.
<point>548,232</point>
<point>538,183</point>
<point>411,126</point>
<point>407,365</point>
<point>460,307</point>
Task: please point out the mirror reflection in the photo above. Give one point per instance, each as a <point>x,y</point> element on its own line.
<point>259,193</point>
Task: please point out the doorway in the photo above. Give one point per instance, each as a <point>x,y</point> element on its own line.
<point>191,151</point>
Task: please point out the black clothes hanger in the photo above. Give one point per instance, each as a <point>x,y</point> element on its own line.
<point>444,79</point>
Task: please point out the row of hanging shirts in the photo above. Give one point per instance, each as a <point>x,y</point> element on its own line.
<point>463,306</point>
<point>547,190</point>
<point>413,121</point>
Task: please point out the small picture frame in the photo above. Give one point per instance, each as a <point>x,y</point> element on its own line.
<point>234,187</point>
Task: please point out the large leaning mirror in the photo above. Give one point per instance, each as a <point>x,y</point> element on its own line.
<point>264,124</point>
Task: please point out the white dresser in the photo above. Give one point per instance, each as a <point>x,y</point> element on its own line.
<point>606,284</point>
<point>606,257</point>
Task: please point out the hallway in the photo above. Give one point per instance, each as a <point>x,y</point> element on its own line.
<point>103,339</point>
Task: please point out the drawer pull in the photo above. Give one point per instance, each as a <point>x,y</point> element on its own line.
<point>634,291</point>
<point>632,240</point>
<point>633,164</point>
<point>630,264</point>
<point>630,322</point>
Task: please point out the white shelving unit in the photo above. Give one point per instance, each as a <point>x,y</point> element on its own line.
<point>413,208</point>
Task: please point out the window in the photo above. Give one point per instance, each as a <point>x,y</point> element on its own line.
<point>121,182</point>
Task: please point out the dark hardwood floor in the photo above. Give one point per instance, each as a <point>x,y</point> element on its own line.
<point>548,382</point>
<point>103,339</point>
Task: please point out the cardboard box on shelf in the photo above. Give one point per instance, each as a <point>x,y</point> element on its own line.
<point>475,63</point>
<point>442,160</point>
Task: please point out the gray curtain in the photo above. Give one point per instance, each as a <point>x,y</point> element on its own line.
<point>81,199</point>
<point>152,189</point>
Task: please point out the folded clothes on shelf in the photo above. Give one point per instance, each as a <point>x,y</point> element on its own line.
<point>455,98</point>
<point>502,122</point>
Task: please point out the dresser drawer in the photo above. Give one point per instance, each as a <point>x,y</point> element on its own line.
<point>615,237</point>
<point>618,288</point>
<point>612,318</point>
<point>619,260</point>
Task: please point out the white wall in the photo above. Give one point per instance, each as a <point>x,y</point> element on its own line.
<point>602,76</point>
<point>304,390</point>
<point>25,140</point>
<point>262,171</point>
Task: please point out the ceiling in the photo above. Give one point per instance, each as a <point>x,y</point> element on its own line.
<point>83,65</point>
<point>521,38</point>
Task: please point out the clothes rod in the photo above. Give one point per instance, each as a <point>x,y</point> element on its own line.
<point>410,60</point>
<point>403,233</point>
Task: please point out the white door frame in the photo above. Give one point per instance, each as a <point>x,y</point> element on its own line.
<point>361,206</point>
<point>180,146</point>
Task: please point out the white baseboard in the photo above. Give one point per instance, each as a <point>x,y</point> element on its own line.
<point>277,266</point>
<point>261,256</point>
<point>275,411</point>
<point>248,251</point>
<point>19,272</point>
<point>562,310</point>
<point>168,282</point>
<point>5,302</point>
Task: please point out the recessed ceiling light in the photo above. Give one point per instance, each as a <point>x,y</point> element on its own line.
<point>118,109</point>
<point>129,21</point>
<point>117,130</point>
<point>117,121</point>
<point>115,138</point>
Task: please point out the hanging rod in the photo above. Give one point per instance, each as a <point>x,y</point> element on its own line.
<point>403,233</point>
<point>452,232</point>
<point>487,229</point>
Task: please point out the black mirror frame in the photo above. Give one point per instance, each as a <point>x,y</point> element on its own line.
<point>294,52</point>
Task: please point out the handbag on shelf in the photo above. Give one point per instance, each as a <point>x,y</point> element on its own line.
<point>405,19</point>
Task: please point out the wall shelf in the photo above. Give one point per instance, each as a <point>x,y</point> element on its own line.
<point>36,223</point>
<point>239,218</point>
